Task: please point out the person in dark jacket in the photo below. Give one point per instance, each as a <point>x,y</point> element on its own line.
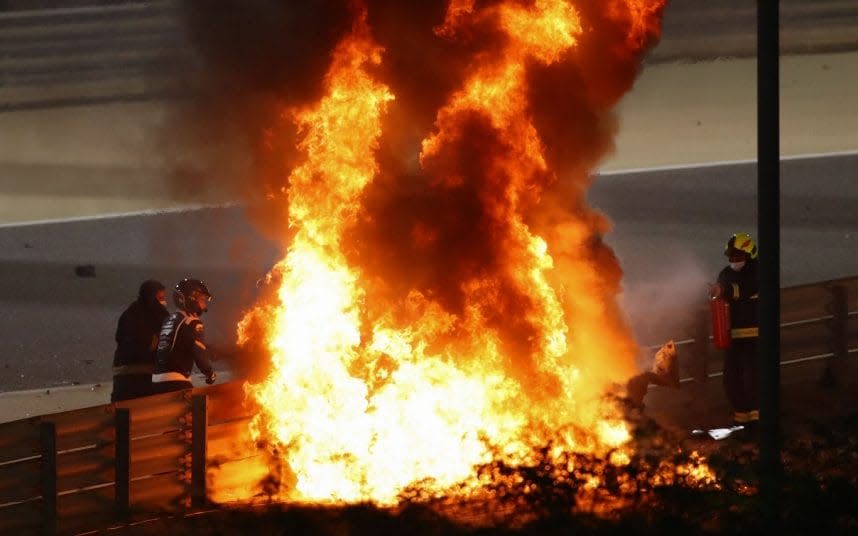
<point>136,341</point>
<point>737,283</point>
<point>181,343</point>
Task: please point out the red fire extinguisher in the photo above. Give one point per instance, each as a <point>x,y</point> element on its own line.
<point>720,322</point>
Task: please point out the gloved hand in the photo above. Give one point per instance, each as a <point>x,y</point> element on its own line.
<point>210,379</point>
<point>716,291</point>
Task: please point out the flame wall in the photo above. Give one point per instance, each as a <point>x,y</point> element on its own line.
<point>445,294</point>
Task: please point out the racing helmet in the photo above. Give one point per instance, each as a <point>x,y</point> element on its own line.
<point>187,294</point>
<point>741,242</point>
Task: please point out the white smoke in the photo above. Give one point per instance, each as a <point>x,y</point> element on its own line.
<point>664,303</point>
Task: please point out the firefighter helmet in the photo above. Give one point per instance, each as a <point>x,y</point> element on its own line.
<point>741,243</point>
<point>187,294</point>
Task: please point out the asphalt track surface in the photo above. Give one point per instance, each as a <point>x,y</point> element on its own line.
<point>660,215</point>
<point>56,326</point>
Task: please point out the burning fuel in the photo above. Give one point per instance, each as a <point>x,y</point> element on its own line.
<point>446,304</point>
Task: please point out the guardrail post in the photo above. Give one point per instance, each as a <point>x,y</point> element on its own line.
<point>839,342</point>
<point>122,462</point>
<point>48,436</point>
<point>198,450</point>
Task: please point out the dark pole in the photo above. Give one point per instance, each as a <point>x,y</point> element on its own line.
<point>768,214</point>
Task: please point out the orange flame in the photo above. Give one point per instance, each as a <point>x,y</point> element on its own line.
<point>368,396</point>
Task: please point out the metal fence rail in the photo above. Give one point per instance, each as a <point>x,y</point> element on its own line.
<point>818,322</point>
<point>89,468</point>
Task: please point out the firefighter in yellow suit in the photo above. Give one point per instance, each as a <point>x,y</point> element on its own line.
<point>737,283</point>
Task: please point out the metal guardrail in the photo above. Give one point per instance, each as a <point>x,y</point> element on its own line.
<point>818,322</point>
<point>89,468</point>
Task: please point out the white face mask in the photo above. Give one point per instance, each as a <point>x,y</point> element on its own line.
<point>736,266</point>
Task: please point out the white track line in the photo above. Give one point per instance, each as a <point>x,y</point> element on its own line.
<point>675,167</point>
<point>147,212</point>
<point>630,171</point>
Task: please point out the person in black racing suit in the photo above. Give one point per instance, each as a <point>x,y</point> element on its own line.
<point>136,341</point>
<point>181,342</point>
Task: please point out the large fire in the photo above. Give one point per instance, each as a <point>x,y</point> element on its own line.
<point>467,312</point>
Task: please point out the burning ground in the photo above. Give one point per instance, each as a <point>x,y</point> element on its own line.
<point>818,493</point>
<point>444,316</point>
